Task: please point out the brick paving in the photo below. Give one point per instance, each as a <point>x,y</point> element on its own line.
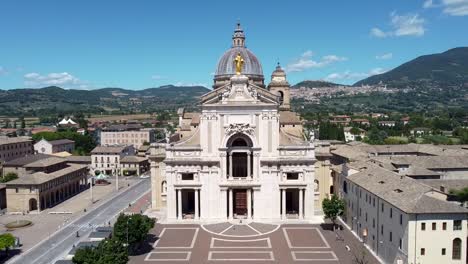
<point>285,244</point>
<point>141,205</point>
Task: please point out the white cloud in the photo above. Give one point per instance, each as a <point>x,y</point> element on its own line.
<point>377,32</point>
<point>349,75</point>
<point>157,77</point>
<point>62,79</point>
<point>190,84</point>
<point>305,62</point>
<point>385,56</point>
<point>3,71</point>
<point>428,4</point>
<point>402,25</point>
<point>376,71</point>
<point>455,7</point>
<point>449,7</point>
<point>408,25</point>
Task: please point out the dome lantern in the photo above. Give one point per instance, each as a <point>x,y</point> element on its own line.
<point>238,38</point>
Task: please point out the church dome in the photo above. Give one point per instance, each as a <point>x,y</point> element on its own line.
<point>226,66</point>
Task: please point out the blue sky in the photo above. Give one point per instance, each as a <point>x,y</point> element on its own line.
<point>140,44</point>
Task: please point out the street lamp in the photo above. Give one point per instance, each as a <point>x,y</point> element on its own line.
<point>91,187</point>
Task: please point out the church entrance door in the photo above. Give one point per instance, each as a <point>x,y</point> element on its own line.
<point>240,202</point>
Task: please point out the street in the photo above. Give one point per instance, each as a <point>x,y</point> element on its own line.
<point>60,243</point>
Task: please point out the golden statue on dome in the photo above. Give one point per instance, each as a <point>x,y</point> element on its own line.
<point>239,63</point>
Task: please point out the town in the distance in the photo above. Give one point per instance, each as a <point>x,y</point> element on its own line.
<point>252,169</point>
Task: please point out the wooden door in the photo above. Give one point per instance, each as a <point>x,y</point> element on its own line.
<point>241,202</point>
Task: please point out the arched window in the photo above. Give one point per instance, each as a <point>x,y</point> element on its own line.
<point>345,187</point>
<point>240,156</point>
<point>163,187</point>
<point>456,248</point>
<point>281,96</point>
<point>239,142</point>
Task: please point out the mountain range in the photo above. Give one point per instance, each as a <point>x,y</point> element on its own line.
<point>449,68</point>
<point>49,100</point>
<point>316,84</point>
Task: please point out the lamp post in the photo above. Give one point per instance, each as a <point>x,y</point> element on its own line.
<point>91,187</point>
<point>116,180</point>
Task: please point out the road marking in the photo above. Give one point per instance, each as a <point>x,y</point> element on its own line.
<point>239,236</point>
<point>226,229</point>
<point>187,256</point>
<point>304,228</point>
<point>295,258</point>
<point>254,230</point>
<point>242,256</point>
<point>213,242</point>
<point>194,238</point>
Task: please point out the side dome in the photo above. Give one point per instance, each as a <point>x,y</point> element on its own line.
<point>226,65</point>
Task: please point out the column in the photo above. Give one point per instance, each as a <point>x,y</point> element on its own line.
<point>301,201</point>
<point>283,204</point>
<point>256,174</point>
<point>197,210</point>
<point>179,204</point>
<point>248,166</point>
<point>230,204</point>
<point>230,166</point>
<point>249,203</point>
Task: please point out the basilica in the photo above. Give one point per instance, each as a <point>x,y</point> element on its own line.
<point>244,156</point>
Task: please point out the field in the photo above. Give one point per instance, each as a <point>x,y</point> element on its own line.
<point>110,118</point>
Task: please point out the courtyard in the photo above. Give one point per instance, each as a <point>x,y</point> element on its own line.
<point>250,243</point>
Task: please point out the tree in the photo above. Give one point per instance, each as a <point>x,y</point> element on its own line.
<point>355,131</point>
<point>23,123</point>
<point>86,255</point>
<point>7,241</point>
<point>460,195</point>
<point>132,229</point>
<point>112,251</point>
<point>9,177</point>
<point>109,251</point>
<point>332,208</point>
<point>7,123</point>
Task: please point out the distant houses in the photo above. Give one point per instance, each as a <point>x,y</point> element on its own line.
<point>54,146</point>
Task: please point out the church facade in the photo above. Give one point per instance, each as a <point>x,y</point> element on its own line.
<point>244,156</point>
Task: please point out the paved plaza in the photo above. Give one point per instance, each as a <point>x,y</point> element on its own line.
<point>246,244</point>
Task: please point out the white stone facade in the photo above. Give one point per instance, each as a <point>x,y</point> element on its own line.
<point>236,166</point>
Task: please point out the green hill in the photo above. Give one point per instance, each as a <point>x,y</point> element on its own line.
<point>53,100</point>
<point>449,68</point>
<point>315,84</point>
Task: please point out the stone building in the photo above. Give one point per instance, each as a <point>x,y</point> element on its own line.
<point>403,220</point>
<point>133,165</point>
<point>107,158</point>
<point>246,157</point>
<point>15,147</point>
<point>398,202</point>
<point>130,134</point>
<point>54,146</point>
<point>44,184</point>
